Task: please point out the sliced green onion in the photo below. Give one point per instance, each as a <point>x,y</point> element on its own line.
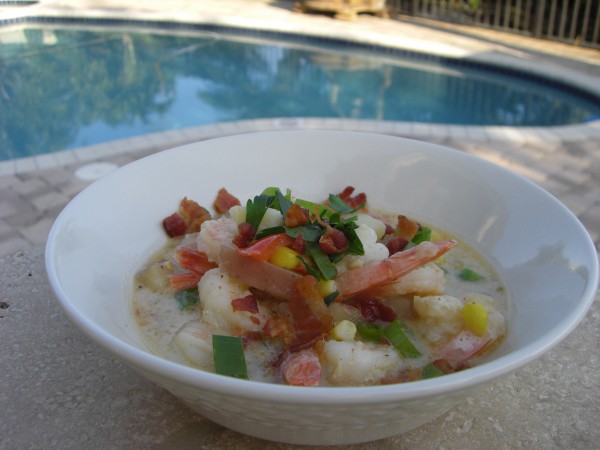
<point>321,259</point>
<point>397,333</point>
<point>370,332</point>
<point>331,297</point>
<point>310,233</point>
<point>424,234</point>
<point>431,371</point>
<point>355,246</point>
<point>469,275</point>
<point>228,355</point>
<point>187,299</point>
<point>311,270</point>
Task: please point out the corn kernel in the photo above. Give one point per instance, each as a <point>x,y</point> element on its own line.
<point>475,317</point>
<point>344,331</point>
<point>285,257</point>
<point>326,287</point>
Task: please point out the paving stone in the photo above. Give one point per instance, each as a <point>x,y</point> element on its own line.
<point>56,176</point>
<point>30,186</point>
<point>49,200</point>
<point>38,232</point>
<point>8,181</point>
<point>8,208</point>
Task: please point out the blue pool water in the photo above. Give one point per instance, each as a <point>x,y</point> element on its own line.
<point>62,88</point>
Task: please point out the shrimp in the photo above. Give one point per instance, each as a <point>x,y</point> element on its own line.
<point>213,234</point>
<point>444,327</point>
<point>280,282</point>
<point>356,281</point>
<point>353,363</point>
<point>194,344</point>
<point>217,294</point>
<point>374,251</point>
<point>440,316</point>
<point>426,280</point>
<point>302,368</point>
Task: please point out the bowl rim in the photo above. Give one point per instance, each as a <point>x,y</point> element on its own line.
<point>270,392</point>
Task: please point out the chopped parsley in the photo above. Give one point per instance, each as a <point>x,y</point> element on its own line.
<point>317,262</point>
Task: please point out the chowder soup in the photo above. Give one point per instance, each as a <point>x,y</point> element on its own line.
<point>328,293</point>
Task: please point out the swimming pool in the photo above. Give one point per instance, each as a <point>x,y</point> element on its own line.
<point>64,87</point>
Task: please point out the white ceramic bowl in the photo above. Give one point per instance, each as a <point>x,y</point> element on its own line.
<point>539,248</point>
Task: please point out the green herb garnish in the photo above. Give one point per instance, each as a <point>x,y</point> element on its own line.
<point>256,209</point>
<point>337,204</point>
<point>431,371</point>
<point>370,332</point>
<point>424,234</point>
<point>326,267</point>
<point>397,333</point>
<point>469,275</point>
<point>317,262</point>
<point>187,299</point>
<point>355,246</point>
<point>331,297</point>
<point>228,355</point>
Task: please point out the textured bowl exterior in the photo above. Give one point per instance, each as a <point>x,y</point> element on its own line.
<point>544,255</point>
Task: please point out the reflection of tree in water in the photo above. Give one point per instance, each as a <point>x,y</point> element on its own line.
<point>279,82</point>
<point>123,80</point>
<point>55,90</point>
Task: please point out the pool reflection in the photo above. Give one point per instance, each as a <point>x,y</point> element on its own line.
<point>64,88</point>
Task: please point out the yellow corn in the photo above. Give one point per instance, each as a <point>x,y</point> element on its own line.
<point>344,331</point>
<point>285,257</point>
<point>475,317</point>
<point>326,287</point>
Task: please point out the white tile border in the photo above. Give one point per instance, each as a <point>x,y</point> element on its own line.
<point>173,138</point>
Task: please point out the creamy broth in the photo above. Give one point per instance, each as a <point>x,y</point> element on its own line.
<point>438,325</point>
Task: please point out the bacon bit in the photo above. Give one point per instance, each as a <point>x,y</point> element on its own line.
<point>253,335</point>
<point>193,214</point>
<point>373,309</point>
<point>278,327</point>
<point>277,362</point>
<point>311,317</point>
<point>299,244</point>
<point>302,369</point>
<point>395,244</point>
<point>406,228</point>
<point>224,201</point>
<point>296,216</point>
<point>193,260</point>
<point>174,225</point>
<point>183,281</point>
<point>333,241</point>
<point>247,303</point>
<point>353,201</point>
<point>388,229</point>
<point>245,235</point>
<point>444,365</point>
<point>263,296</point>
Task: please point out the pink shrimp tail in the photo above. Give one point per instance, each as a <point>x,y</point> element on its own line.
<point>356,281</point>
